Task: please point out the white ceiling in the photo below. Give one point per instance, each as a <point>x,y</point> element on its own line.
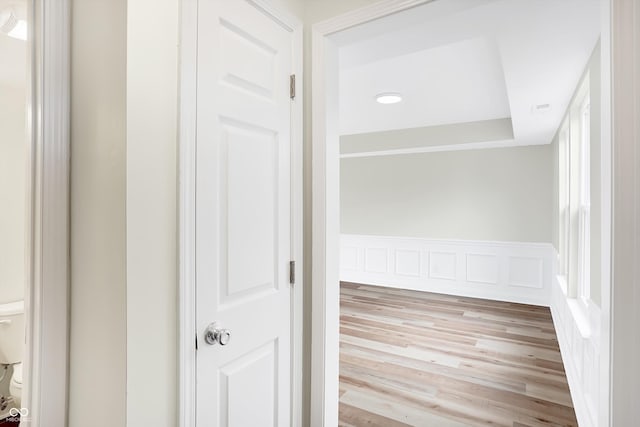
<point>458,61</point>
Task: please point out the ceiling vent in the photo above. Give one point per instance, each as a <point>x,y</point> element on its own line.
<point>540,108</point>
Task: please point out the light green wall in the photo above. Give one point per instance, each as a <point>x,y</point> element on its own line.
<point>501,194</point>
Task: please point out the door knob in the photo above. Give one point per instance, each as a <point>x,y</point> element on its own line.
<point>214,334</point>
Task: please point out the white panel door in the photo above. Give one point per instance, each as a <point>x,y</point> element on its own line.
<point>243,219</point>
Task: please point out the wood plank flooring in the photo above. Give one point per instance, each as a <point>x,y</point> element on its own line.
<point>421,359</point>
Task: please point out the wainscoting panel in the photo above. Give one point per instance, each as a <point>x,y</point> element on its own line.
<point>443,265</point>
<point>482,268</point>
<point>578,329</point>
<point>376,260</point>
<point>349,258</point>
<point>408,262</point>
<point>526,272</point>
<point>505,271</point>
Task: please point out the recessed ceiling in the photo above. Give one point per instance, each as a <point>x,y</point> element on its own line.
<point>460,61</point>
<point>456,82</point>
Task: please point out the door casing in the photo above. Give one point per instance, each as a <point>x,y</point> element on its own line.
<point>186,210</point>
<point>45,390</point>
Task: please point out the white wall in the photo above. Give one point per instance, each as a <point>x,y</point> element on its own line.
<point>499,194</point>
<point>98,251</point>
<point>152,98</point>
<point>13,163</point>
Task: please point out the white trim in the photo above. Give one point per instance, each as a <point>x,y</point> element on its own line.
<point>186,221</point>
<point>297,224</point>
<point>604,404</point>
<point>365,14</point>
<point>288,21</point>
<point>440,148</point>
<point>475,243</point>
<point>47,295</point>
<point>325,208</point>
<point>186,214</point>
<point>625,269</point>
<point>523,272</point>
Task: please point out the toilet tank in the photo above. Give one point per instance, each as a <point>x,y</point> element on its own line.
<point>12,333</point>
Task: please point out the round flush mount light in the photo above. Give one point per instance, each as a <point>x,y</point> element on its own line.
<point>388,98</point>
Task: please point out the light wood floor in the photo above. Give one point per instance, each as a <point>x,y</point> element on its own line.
<point>423,359</point>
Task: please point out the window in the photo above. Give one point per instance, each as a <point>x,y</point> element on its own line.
<point>563,200</point>
<point>574,180</point>
<point>584,200</point>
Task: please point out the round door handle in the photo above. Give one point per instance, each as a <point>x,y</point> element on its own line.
<point>214,334</point>
<point>224,336</point>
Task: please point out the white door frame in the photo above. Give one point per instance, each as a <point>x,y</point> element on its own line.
<point>625,292</point>
<point>625,19</point>
<point>325,299</point>
<point>47,254</point>
<point>187,209</point>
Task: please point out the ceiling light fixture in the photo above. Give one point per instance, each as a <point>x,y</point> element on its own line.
<point>11,25</point>
<point>388,98</point>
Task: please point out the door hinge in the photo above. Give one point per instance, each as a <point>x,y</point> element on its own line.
<point>292,272</point>
<point>292,86</point>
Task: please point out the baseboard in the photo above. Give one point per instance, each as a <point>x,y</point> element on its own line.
<point>578,337</point>
<point>505,271</point>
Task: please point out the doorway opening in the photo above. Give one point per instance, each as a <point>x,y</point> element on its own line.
<point>404,202</point>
